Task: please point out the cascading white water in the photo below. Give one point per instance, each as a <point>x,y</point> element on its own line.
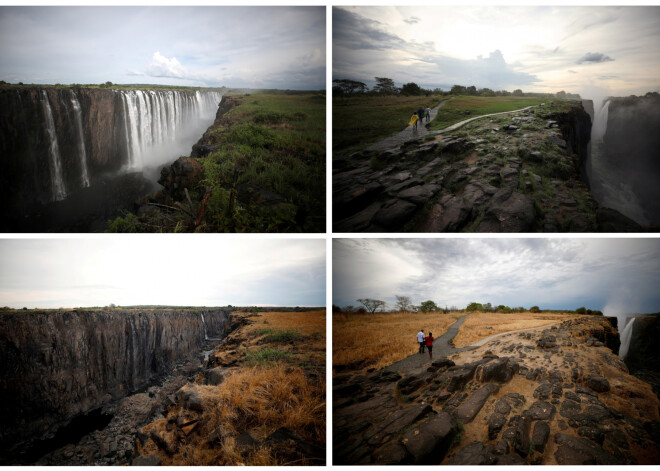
<point>57,182</point>
<point>84,178</point>
<point>206,334</point>
<point>155,122</point>
<point>626,335</point>
<point>600,122</point>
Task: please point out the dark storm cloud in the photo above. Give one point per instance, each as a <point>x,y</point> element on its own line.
<point>552,273</point>
<point>594,58</point>
<point>357,32</point>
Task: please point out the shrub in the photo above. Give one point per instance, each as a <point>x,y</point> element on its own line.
<point>534,309</point>
<point>581,310</point>
<point>474,307</point>
<point>266,356</point>
<point>281,336</point>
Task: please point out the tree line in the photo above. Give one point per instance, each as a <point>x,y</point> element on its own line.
<point>386,86</point>
<point>404,304</point>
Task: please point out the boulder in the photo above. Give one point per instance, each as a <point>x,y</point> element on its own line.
<point>450,215</point>
<point>146,460</point>
<point>467,411</point>
<point>597,383</point>
<point>394,214</point>
<point>508,211</point>
<point>580,451</point>
<point>540,435</point>
<point>428,443</point>
<point>542,410</point>
<point>474,454</point>
<point>419,194</point>
<point>500,370</point>
<point>189,398</point>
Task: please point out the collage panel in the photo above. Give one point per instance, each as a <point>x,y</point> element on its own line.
<point>495,119</point>
<point>495,351</point>
<point>114,353</point>
<point>163,119</point>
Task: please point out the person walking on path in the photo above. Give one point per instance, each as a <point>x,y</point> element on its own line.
<point>429,345</point>
<point>420,113</point>
<point>427,114</point>
<point>421,340</point>
<point>413,120</point>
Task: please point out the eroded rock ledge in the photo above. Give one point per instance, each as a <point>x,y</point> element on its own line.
<point>557,396</point>
<point>520,172</point>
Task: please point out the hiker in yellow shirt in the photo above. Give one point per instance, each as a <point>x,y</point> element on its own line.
<point>413,120</point>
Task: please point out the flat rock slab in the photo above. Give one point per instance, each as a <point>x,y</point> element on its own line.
<point>467,411</point>
<point>429,442</point>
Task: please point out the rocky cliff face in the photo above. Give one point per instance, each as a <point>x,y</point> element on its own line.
<point>57,141</point>
<point>554,396</point>
<point>631,151</point>
<point>518,172</point>
<point>59,364</point>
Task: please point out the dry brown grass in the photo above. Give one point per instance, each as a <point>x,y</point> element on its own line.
<point>306,323</point>
<point>256,399</point>
<point>378,340</point>
<point>481,324</point>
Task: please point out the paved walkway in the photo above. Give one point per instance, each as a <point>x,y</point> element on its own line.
<point>407,134</point>
<point>453,127</point>
<point>442,347</point>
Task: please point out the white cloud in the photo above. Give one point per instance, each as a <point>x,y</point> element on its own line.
<point>162,66</point>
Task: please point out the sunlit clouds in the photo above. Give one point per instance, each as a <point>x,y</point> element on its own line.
<point>538,49</point>
<point>256,47</point>
<point>550,273</point>
<point>167,270</point>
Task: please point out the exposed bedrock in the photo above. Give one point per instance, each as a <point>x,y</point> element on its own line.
<point>57,365</point>
<point>554,395</point>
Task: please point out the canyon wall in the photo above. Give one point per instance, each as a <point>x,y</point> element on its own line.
<point>55,365</point>
<point>55,141</point>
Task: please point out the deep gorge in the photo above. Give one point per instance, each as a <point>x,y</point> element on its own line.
<point>56,366</point>
<point>63,144</point>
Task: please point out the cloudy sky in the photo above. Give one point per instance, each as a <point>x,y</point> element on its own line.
<point>616,276</point>
<point>256,47</point>
<point>52,273</point>
<point>595,51</point>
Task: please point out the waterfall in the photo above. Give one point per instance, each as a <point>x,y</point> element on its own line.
<point>600,122</point>
<point>57,183</point>
<point>626,335</point>
<point>134,349</point>
<point>154,120</point>
<point>206,335</point>
<point>84,178</point>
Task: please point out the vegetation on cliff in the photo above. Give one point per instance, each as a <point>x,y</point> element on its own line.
<point>260,401</point>
<point>259,168</point>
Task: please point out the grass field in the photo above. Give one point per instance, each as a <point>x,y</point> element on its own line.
<point>377,340</point>
<point>285,389</point>
<point>481,324</point>
<point>456,110</point>
<point>360,121</point>
<point>266,172</point>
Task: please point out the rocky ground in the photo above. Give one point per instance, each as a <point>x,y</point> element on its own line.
<point>558,395</point>
<point>516,172</point>
<point>130,436</point>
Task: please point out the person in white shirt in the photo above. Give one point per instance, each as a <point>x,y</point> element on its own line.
<point>420,340</point>
<point>427,114</point>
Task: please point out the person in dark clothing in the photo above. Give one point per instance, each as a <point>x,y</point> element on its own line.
<point>420,113</point>
<point>429,345</point>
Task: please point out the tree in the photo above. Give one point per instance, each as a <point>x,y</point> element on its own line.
<point>411,89</point>
<point>581,310</point>
<point>372,305</point>
<point>471,90</point>
<point>458,90</point>
<point>427,306</point>
<point>534,309</point>
<point>350,86</point>
<point>517,92</point>
<point>486,92</point>
<point>488,307</point>
<point>403,303</point>
<point>335,308</point>
<point>348,308</point>
<point>474,307</point>
<point>561,95</point>
<point>106,85</point>
<point>385,86</point>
